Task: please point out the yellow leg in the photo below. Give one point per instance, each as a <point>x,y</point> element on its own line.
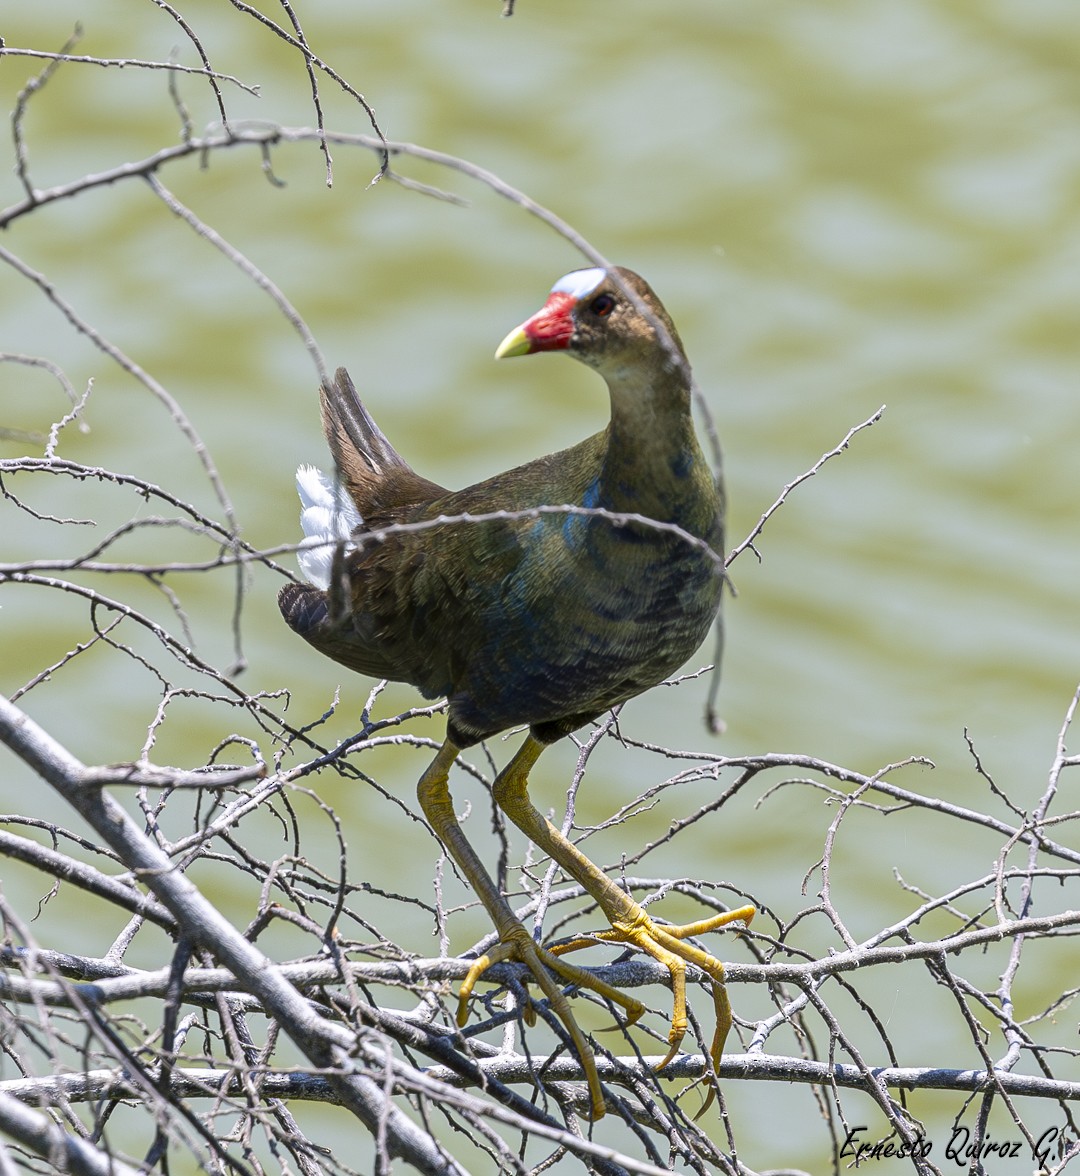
<point>433,792</point>
<point>629,922</point>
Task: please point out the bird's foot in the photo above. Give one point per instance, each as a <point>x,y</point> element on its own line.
<point>517,944</point>
<point>666,944</point>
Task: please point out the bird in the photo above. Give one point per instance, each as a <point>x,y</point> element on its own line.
<point>542,597</point>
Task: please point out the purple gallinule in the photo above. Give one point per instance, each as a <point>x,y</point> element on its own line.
<point>544,620</point>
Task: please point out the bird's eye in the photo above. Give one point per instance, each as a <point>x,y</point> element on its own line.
<point>602,305</point>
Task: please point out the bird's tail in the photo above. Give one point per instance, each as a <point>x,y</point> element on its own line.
<point>360,448</point>
<point>327,518</point>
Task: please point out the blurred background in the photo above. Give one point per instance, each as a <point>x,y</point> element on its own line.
<point>843,205</point>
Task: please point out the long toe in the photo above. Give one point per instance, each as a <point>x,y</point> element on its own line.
<point>519,945</point>
<point>668,945</point>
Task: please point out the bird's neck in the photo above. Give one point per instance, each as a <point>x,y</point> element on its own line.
<point>653,464</point>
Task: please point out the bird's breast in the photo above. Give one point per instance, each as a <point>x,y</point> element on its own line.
<point>595,614</point>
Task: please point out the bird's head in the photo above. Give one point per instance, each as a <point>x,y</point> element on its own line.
<point>605,318</point>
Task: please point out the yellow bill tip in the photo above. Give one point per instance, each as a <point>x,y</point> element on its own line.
<point>516,343</point>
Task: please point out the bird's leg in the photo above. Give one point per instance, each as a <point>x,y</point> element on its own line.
<point>629,922</point>
<point>433,792</point>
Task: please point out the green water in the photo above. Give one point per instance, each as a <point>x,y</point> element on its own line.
<point>843,205</point>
